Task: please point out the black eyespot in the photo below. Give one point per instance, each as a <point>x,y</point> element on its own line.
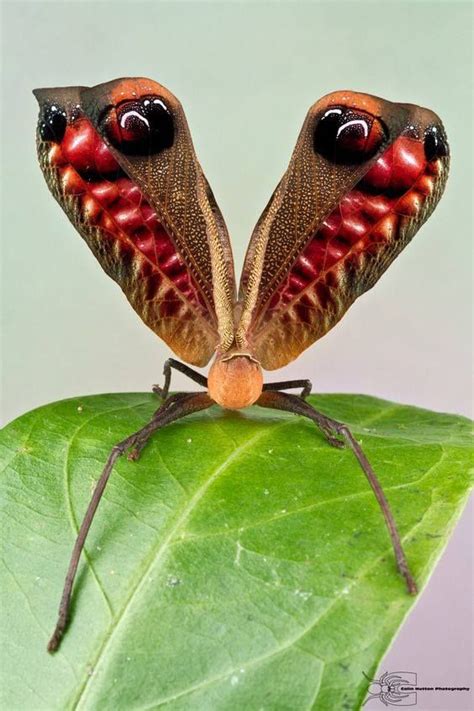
<point>140,127</point>
<point>348,136</point>
<point>436,144</point>
<point>53,122</point>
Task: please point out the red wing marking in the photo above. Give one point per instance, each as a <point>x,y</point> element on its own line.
<point>111,201</point>
<point>367,217</point>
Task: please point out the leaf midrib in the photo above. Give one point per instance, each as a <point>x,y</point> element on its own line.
<point>290,642</point>
<point>297,637</point>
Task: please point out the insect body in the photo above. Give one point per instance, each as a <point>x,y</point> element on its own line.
<point>364,176</point>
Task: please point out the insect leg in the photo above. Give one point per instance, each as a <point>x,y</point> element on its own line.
<point>173,409</point>
<point>306,386</point>
<point>182,368</point>
<point>143,435</point>
<point>332,429</point>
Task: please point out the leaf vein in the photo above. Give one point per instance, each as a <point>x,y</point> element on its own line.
<point>158,554</point>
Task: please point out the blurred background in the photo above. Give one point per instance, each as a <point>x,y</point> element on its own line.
<point>246,74</point>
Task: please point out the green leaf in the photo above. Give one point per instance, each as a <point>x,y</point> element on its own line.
<point>241,563</point>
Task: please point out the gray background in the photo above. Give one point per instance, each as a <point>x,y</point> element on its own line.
<point>246,74</point>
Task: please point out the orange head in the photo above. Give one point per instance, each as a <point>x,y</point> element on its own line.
<point>235,381</point>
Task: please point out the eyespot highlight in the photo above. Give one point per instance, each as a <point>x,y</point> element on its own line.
<point>348,136</point>
<point>140,127</point>
<point>53,123</point>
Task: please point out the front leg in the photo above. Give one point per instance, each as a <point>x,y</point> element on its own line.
<point>306,386</point>
<point>182,368</point>
<point>333,430</point>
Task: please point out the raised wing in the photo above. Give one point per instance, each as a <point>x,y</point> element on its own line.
<point>119,159</point>
<point>364,176</point>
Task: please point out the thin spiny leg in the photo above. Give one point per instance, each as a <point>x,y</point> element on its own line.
<point>306,386</point>
<point>143,435</point>
<point>330,428</point>
<point>174,409</point>
<point>182,368</point>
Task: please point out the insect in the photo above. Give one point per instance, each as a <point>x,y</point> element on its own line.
<point>364,176</point>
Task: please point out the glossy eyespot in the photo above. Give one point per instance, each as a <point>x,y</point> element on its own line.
<point>52,125</point>
<point>141,127</point>
<point>348,136</point>
<point>435,144</point>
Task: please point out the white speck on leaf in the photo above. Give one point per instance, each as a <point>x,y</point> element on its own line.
<point>237,554</point>
<point>234,679</point>
<point>266,492</point>
<point>303,594</point>
<point>173,581</point>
